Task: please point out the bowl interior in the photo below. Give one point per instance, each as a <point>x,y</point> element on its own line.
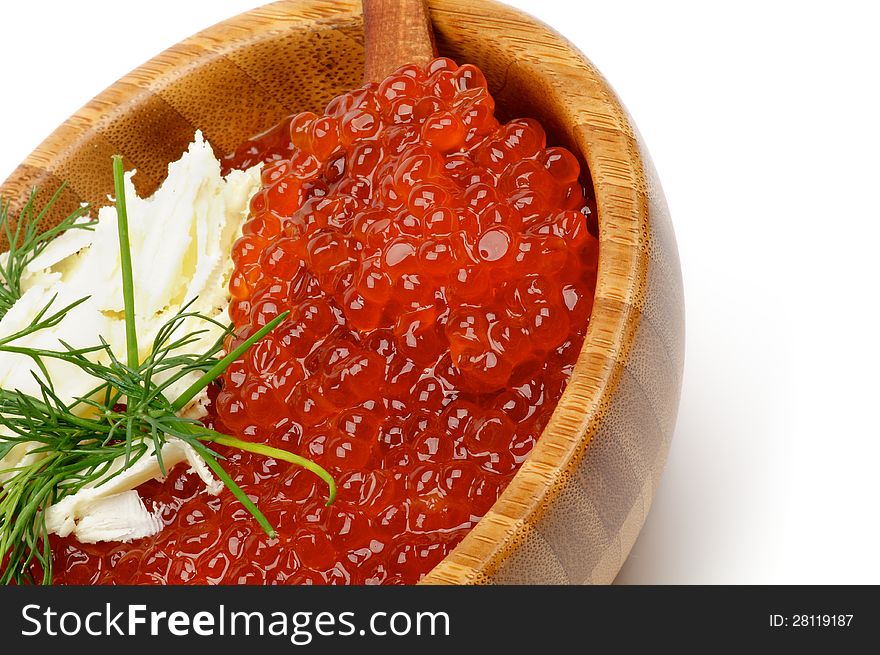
<point>261,72</point>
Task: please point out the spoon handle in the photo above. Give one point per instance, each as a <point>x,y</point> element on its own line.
<point>396,32</point>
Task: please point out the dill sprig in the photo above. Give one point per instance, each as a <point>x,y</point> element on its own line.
<point>127,416</point>
<point>26,242</point>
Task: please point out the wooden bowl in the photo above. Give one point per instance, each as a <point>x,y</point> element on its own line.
<point>574,509</point>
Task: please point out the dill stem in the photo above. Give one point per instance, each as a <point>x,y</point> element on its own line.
<point>230,484</point>
<point>276,453</point>
<point>125,262</point>
<point>211,374</point>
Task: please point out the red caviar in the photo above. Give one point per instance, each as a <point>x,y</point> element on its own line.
<point>440,273</point>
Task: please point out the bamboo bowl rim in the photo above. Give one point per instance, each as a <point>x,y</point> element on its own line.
<point>596,126</point>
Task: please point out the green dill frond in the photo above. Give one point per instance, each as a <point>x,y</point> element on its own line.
<point>126,416</point>
<point>26,242</point>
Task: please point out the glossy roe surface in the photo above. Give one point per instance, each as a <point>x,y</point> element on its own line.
<point>440,274</point>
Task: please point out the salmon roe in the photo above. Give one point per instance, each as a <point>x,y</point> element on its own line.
<point>440,272</point>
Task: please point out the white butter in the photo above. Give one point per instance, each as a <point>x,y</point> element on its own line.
<point>121,517</point>
<point>112,511</point>
<point>180,241</point>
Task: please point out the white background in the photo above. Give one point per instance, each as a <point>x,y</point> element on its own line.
<point>764,122</point>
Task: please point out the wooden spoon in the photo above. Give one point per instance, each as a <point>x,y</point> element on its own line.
<point>396,32</point>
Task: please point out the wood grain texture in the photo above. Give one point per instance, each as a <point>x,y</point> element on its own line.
<point>573,511</point>
<point>396,32</point>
